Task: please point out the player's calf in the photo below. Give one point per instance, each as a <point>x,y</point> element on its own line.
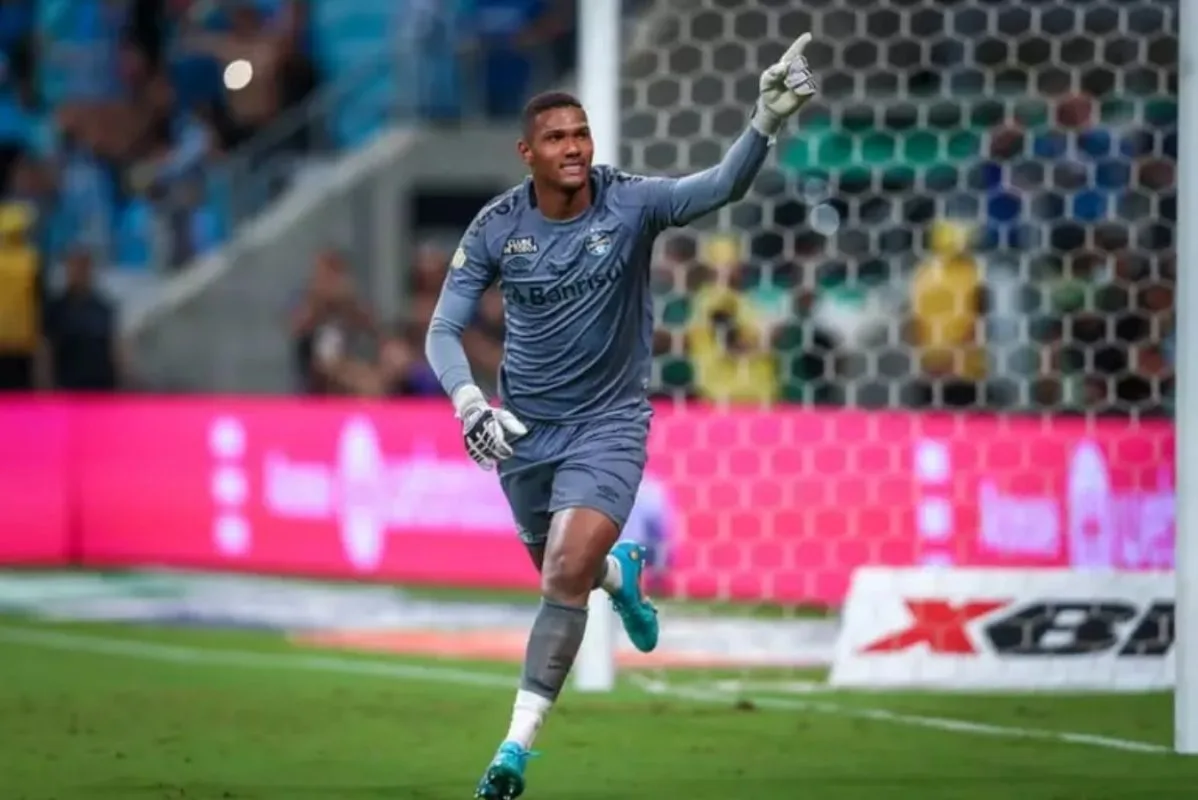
<point>552,647</point>
<point>578,543</point>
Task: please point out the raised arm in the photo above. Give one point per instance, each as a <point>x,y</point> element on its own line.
<point>679,201</point>
<point>471,272</point>
<point>785,87</point>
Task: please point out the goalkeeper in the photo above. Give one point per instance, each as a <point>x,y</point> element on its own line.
<point>570,247</point>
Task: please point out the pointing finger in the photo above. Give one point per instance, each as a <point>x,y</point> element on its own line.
<point>796,49</point>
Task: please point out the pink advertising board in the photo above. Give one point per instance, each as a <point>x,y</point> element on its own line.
<point>35,482</point>
<point>755,505</point>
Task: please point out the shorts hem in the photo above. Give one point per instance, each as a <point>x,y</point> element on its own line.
<point>566,506</point>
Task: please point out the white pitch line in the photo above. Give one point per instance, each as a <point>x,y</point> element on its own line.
<point>910,720</point>
<point>184,654</point>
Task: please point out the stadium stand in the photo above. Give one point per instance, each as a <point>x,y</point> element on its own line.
<point>125,102</point>
<point>161,151</point>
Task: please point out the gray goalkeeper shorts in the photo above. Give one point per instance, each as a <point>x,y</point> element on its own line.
<point>595,465</point>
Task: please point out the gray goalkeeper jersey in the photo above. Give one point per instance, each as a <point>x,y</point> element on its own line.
<point>577,307</point>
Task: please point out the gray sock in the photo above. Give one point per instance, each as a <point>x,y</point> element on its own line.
<point>552,646</point>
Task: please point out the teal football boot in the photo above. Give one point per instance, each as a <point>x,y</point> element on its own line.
<point>504,778</point>
<point>636,612</point>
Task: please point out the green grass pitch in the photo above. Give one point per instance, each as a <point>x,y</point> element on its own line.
<point>105,711</point>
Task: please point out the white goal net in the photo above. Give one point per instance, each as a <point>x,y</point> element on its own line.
<point>939,330</point>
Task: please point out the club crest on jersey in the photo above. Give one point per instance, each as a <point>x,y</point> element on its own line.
<point>520,246</point>
<point>598,243</point>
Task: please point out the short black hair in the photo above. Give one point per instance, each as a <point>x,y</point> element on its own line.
<point>545,101</point>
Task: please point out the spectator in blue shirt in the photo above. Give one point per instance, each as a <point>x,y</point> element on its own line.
<point>514,43</point>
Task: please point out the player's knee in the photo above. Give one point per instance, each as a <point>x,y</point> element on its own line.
<point>579,540</point>
<point>566,578</point>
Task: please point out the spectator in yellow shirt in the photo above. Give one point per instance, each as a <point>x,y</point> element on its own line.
<point>22,300</point>
<point>946,304</point>
<point>728,340</point>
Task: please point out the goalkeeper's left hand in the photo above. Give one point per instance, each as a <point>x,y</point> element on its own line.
<point>785,87</point>
<point>489,432</point>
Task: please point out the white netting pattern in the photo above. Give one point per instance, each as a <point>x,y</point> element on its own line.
<point>1049,126</point>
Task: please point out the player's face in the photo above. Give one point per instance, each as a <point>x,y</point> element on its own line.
<point>559,149</point>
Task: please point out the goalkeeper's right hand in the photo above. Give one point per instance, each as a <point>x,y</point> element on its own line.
<point>489,432</point>
<point>785,87</point>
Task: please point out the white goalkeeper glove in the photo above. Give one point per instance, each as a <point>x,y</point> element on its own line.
<point>489,432</point>
<point>785,87</point>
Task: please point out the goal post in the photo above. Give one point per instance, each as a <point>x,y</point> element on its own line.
<point>599,90</point>
<point>1186,692</point>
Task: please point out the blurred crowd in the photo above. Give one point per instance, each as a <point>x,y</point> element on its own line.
<point>340,348</point>
<point>117,116</point>
<point>120,121</point>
